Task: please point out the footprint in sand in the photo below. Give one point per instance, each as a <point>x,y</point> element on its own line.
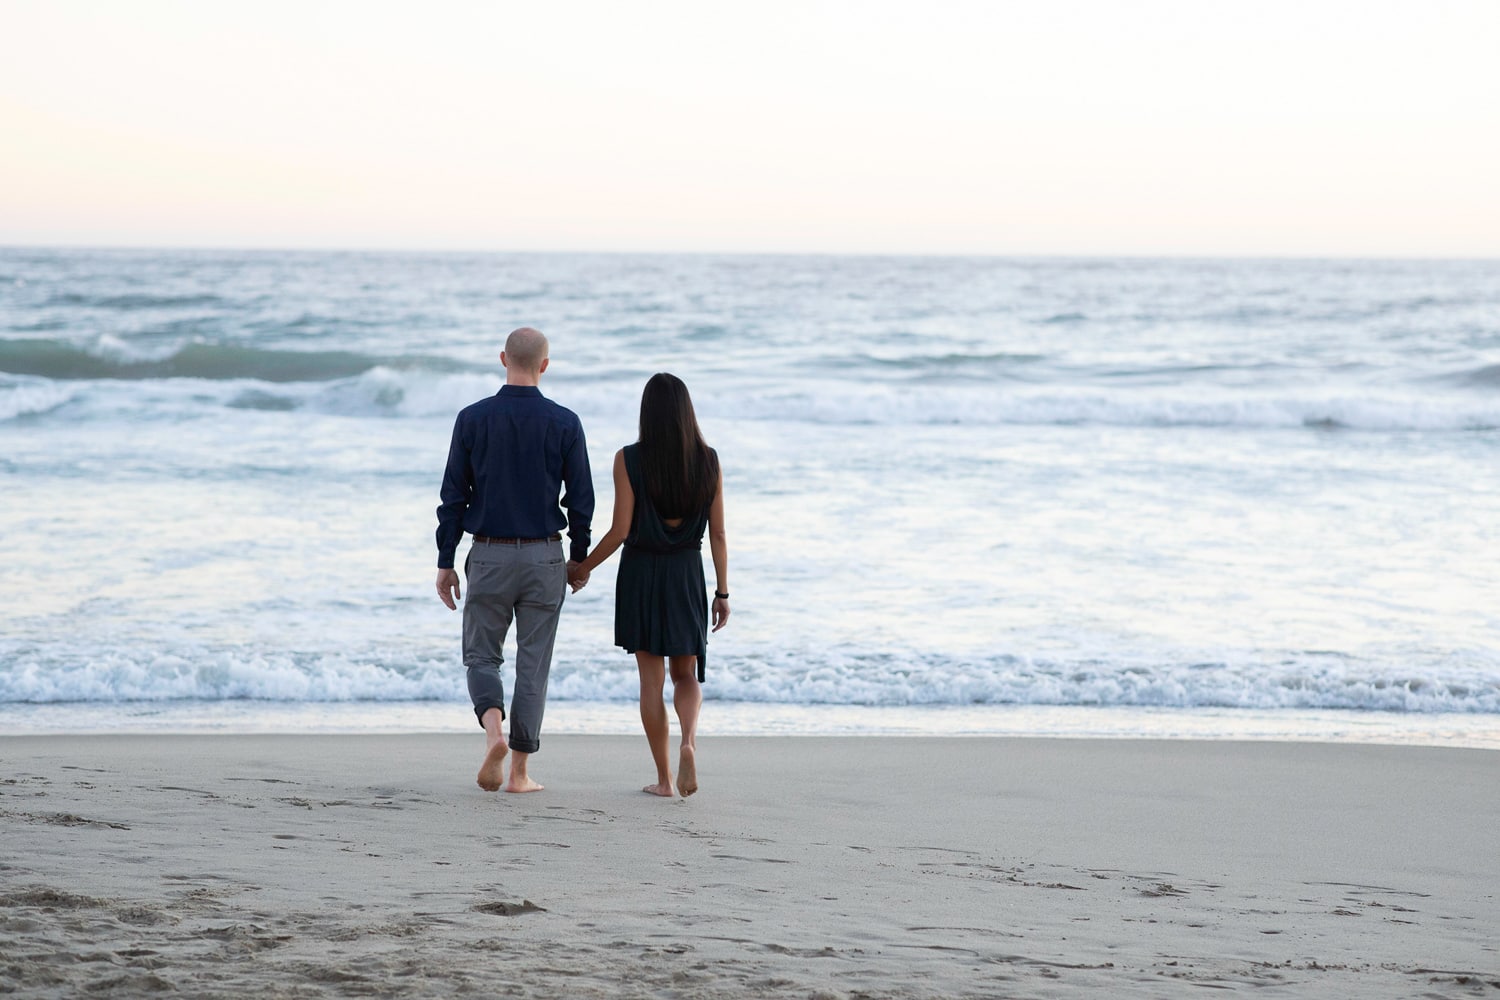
<point>510,909</point>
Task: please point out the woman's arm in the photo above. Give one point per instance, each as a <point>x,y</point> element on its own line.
<point>718,542</point>
<point>620,526</point>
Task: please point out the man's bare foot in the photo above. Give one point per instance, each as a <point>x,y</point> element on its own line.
<point>523,784</point>
<point>687,772</point>
<point>492,771</point>
<point>664,789</point>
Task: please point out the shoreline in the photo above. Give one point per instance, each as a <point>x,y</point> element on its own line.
<point>729,718</point>
<point>816,866</point>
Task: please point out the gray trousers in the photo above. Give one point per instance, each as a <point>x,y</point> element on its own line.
<point>525,584</point>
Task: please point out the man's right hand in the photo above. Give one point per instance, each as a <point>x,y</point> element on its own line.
<point>578,577</point>
<point>448,589</point>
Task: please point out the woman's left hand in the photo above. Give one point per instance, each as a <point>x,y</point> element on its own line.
<point>721,612</point>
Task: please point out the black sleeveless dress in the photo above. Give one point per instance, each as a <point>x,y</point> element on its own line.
<point>661,599</point>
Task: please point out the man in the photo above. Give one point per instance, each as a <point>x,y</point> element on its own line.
<point>510,456</point>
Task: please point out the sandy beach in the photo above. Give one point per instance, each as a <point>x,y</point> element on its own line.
<point>806,867</point>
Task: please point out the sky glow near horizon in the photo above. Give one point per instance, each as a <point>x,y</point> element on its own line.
<point>1078,127</point>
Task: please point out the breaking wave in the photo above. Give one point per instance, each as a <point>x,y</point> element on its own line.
<point>362,385</point>
<point>1306,682</point>
<point>111,359</point>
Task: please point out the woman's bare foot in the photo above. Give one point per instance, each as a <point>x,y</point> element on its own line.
<point>492,771</point>
<point>687,772</point>
<point>664,789</point>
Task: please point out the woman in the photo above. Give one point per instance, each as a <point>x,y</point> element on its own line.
<point>668,490</point>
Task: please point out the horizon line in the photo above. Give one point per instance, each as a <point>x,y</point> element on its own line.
<point>873,254</point>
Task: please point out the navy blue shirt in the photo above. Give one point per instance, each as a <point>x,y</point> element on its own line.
<point>511,455</point>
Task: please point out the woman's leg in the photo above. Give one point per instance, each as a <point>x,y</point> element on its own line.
<point>687,698</point>
<point>654,717</point>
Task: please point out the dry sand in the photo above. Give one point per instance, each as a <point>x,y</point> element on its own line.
<point>301,866</point>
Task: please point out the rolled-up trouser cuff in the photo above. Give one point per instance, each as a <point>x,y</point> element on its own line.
<point>482,707</point>
<point>523,746</point>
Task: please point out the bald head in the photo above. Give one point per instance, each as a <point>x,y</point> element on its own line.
<point>525,353</point>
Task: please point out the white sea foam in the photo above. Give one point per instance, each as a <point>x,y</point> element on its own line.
<point>385,392</point>
<point>1333,407</point>
<point>114,676</point>
<point>126,352</point>
<point>30,398</point>
<point>1311,683</point>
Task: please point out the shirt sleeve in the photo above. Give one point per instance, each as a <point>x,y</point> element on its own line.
<point>578,494</point>
<point>457,492</point>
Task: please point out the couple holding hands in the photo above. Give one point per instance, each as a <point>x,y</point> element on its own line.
<point>511,456</point>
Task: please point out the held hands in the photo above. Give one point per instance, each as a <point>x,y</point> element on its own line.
<point>448,589</point>
<point>720,612</point>
<point>578,577</point>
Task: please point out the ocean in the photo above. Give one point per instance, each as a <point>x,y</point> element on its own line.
<point>1124,497</point>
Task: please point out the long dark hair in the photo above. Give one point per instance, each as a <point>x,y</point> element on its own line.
<point>681,473</point>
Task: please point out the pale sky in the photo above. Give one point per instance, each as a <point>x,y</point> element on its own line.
<point>1043,127</point>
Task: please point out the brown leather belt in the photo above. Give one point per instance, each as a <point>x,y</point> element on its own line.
<point>516,541</point>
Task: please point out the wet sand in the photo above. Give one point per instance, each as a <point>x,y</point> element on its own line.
<point>804,867</point>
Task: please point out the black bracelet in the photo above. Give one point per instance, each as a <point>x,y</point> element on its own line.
<point>720,596</point>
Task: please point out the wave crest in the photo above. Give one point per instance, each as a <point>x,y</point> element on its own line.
<point>111,359</point>
<point>29,399</point>
<point>878,679</point>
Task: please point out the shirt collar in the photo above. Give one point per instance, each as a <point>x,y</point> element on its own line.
<point>519,390</point>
